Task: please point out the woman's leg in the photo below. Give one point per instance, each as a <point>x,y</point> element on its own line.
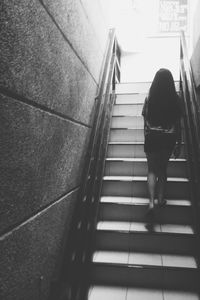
<point>151,178</point>
<point>162,177</point>
<point>151,181</point>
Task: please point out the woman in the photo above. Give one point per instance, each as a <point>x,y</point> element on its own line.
<point>162,130</point>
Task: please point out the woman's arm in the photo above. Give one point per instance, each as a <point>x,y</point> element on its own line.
<point>144,114</point>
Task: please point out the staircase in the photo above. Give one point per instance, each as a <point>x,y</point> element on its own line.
<point>130,262</point>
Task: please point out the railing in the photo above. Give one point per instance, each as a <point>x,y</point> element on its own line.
<point>192,126</point>
<point>79,244</point>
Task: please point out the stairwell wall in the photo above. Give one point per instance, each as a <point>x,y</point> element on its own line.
<point>51,59</point>
<point>195,59</point>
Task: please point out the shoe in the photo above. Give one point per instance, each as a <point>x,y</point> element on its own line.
<point>149,226</point>
<point>150,215</point>
<point>162,203</point>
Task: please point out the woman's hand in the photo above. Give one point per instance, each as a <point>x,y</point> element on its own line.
<point>177,150</point>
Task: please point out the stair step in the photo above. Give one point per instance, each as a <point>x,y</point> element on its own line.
<point>136,122</point>
<point>117,257</point>
<point>101,292</point>
<point>148,276</point>
<point>128,122</point>
<point>130,98</point>
<point>136,186</point>
<point>126,135</point>
<point>138,167</point>
<point>131,150</point>
<point>127,109</point>
<point>137,159</point>
<point>119,239</point>
<point>178,295</point>
<point>141,258</point>
<point>142,201</point>
<point>141,178</point>
<point>175,214</point>
<point>140,226</point>
<point>132,87</point>
<point>136,87</point>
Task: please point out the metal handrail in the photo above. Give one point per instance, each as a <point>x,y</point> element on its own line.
<point>79,244</point>
<point>192,126</point>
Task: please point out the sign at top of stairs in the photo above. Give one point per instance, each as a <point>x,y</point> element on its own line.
<point>129,261</point>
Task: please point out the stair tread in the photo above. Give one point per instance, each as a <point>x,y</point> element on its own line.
<point>135,159</point>
<point>127,128</point>
<point>141,178</point>
<point>145,266</point>
<point>99,292</point>
<point>143,258</point>
<point>129,143</point>
<point>138,117</point>
<point>133,94</point>
<point>141,201</point>
<point>141,227</point>
<point>132,103</point>
<point>137,87</point>
<point>134,128</point>
<point>125,143</point>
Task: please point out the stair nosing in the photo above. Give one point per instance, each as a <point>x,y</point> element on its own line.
<point>142,159</point>
<point>140,266</point>
<point>129,143</point>
<point>132,93</point>
<point>144,198</point>
<point>116,128</point>
<point>135,103</point>
<point>143,204</point>
<point>140,178</point>
<point>125,116</point>
<point>130,103</point>
<point>125,143</point>
<point>147,233</point>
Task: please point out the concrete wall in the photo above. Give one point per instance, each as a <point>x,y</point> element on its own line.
<point>195,59</point>
<point>51,57</point>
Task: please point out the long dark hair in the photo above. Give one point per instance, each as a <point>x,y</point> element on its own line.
<point>163,101</point>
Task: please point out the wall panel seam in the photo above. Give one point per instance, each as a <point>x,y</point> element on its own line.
<point>42,210</point>
<point>22,99</point>
<point>67,40</point>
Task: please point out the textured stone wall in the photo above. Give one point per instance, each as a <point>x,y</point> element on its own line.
<point>51,55</point>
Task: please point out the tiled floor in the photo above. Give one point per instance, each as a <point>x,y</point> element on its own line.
<point>179,261</point>
<point>178,295</point>
<point>175,228</point>
<point>141,294</point>
<point>119,293</point>
<point>139,200</point>
<point>113,225</point>
<point>111,256</point>
<point>139,258</point>
<point>145,259</point>
<point>107,293</point>
<point>140,226</point>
